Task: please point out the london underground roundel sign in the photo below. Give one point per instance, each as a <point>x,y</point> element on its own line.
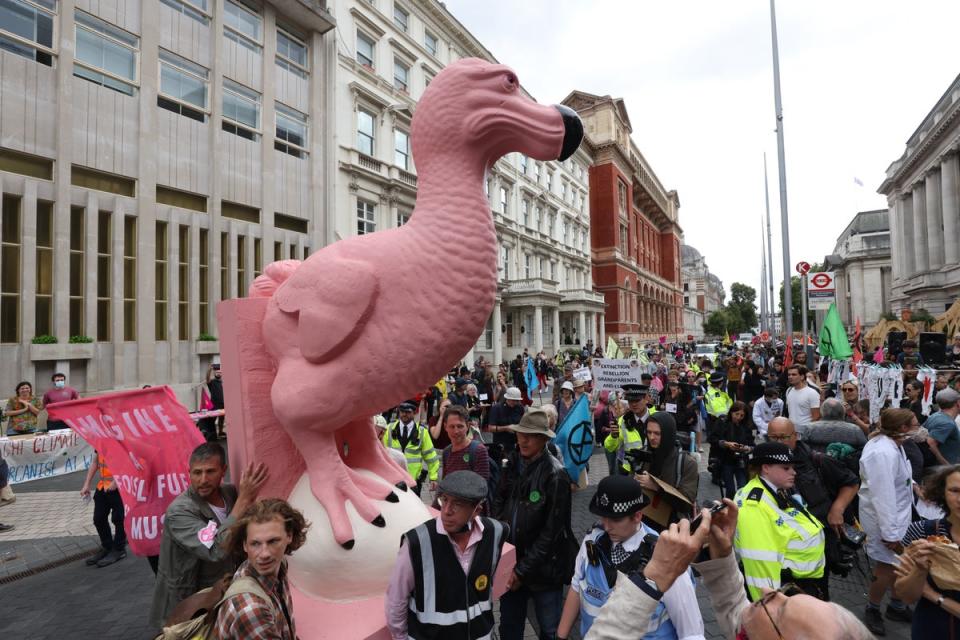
<point>821,280</point>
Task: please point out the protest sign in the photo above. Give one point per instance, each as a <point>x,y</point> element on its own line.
<point>611,375</point>
<point>583,373</point>
<point>45,455</point>
<point>146,438</point>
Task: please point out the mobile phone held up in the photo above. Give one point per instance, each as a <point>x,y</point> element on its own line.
<point>716,507</point>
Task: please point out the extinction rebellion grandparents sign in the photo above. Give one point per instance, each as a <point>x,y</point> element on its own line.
<point>146,438</point>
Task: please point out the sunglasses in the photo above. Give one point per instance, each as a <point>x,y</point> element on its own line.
<point>788,590</point>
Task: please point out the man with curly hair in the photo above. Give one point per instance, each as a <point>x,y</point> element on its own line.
<point>258,606</point>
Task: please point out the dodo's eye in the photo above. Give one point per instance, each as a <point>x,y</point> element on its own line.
<point>510,82</point>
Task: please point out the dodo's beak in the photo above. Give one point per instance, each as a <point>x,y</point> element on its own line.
<point>572,131</point>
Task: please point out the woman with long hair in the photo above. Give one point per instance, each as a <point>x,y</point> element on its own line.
<point>886,503</point>
<point>938,610</point>
<point>22,410</point>
<point>733,441</point>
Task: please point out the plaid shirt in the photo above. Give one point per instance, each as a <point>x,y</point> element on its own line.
<point>249,617</point>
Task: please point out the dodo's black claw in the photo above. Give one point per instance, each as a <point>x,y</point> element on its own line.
<point>392,497</point>
<point>348,544</point>
<point>401,485</point>
<point>379,522</point>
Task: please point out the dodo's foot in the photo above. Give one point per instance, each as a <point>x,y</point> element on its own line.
<point>372,488</point>
<point>333,494</point>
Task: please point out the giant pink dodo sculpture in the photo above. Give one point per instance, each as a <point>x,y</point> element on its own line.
<point>372,320</point>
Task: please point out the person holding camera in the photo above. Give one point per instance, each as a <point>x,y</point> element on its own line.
<point>777,615</point>
<point>778,540</point>
<point>668,462</point>
<point>732,439</point>
<point>622,543</point>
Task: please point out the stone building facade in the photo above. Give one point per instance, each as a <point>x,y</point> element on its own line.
<point>862,269</point>
<point>702,291</point>
<point>923,196</point>
<point>154,156</point>
<point>636,232</point>
<point>391,51</point>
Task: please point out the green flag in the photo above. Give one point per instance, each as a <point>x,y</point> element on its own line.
<point>613,350</point>
<point>833,337</point>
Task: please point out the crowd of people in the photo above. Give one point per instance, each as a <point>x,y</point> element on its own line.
<point>808,480</point>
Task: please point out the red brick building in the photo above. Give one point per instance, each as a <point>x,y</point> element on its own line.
<point>635,233</point>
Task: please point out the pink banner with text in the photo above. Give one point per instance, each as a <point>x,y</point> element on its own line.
<point>146,437</point>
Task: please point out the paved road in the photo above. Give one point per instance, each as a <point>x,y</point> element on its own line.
<point>76,601</point>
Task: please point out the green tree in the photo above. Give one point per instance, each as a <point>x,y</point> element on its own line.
<point>742,307</point>
<point>718,323</point>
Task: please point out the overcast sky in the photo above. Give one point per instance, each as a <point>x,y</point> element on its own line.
<point>857,78</point>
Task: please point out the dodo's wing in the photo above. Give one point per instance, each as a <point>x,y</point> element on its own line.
<point>333,304</point>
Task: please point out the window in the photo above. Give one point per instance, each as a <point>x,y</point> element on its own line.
<point>523,164</point>
<point>549,180</point>
<point>427,78</point>
<point>105,54</point>
<point>183,282</point>
<point>44,297</point>
<point>686,301</point>
<point>527,266</point>
<point>365,49</point>
<point>401,75</point>
<point>257,258</point>
<point>431,43</point>
<point>10,269</point>
<point>401,18</point>
<point>241,110</point>
<point>129,278</point>
<point>291,131</point>
<point>203,290</point>
<point>623,238</point>
<point>26,28</point>
<point>525,212</point>
<point>241,266</point>
<point>622,197</point>
<point>564,227</point>
<point>506,263</point>
<point>366,217</point>
<point>536,172</point>
<point>293,252</point>
<point>401,149</point>
<point>403,217</point>
<point>503,200</point>
<point>77,280</point>
<point>241,25</point>
<point>551,223</point>
<point>538,218</point>
<point>183,86</point>
<point>160,278</point>
<point>291,53</point>
<point>365,137</point>
<point>488,334</point>
<point>277,251</point>
<point>224,266</point>
<point>195,9</point>
<point>104,275</point>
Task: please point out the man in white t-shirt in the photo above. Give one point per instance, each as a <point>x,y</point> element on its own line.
<point>803,402</point>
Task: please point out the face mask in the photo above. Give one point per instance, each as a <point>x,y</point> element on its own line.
<point>60,384</point>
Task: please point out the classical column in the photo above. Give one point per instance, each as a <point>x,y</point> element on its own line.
<point>950,206</point>
<point>934,219</point>
<point>895,212</point>
<point>538,329</point>
<point>920,246</point>
<point>469,358</point>
<point>556,330</point>
<point>905,229</point>
<point>855,287</point>
<point>603,331</point>
<point>581,327</point>
<point>497,335</point>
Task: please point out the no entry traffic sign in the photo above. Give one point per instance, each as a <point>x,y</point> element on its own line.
<point>821,290</point>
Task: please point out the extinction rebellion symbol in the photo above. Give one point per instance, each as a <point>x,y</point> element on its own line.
<point>580,443</point>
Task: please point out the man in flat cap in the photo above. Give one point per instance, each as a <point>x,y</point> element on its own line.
<point>778,539</point>
<point>442,582</point>
<point>631,426</point>
<point>413,440</point>
<point>533,497</point>
<point>622,543</point>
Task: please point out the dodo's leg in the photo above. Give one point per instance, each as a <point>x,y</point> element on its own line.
<point>333,484</point>
<point>364,451</point>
